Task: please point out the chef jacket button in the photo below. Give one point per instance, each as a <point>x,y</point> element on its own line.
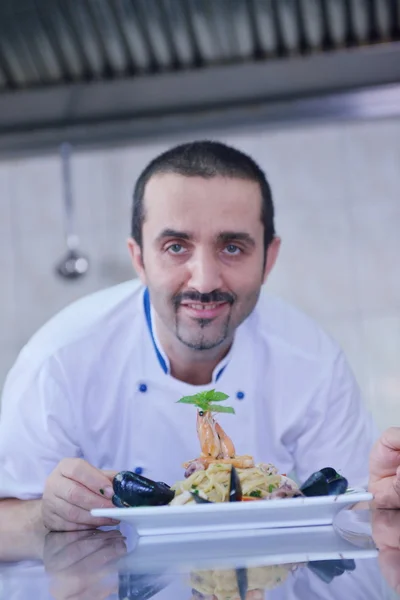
<point>143,388</point>
<point>240,395</point>
<point>139,470</point>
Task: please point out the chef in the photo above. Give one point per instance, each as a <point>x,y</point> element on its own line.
<point>95,391</point>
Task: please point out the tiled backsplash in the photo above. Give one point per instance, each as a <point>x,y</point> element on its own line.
<point>337,195</point>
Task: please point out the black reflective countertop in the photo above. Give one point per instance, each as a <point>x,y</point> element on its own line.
<point>359,557</point>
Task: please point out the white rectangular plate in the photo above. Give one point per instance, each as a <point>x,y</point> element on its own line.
<point>260,514</point>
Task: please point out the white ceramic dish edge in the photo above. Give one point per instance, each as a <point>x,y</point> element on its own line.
<point>268,514</point>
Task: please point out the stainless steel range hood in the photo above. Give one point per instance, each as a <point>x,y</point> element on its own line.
<point>98,71</point>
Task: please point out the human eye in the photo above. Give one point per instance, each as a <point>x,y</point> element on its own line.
<point>175,248</point>
<point>232,250</point>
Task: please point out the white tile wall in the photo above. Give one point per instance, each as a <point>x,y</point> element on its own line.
<point>376,247</point>
<point>35,191</point>
<point>337,195</point>
<point>320,281</point>
<point>382,383</point>
<point>7,258</point>
<point>371,152</point>
<point>91,190</point>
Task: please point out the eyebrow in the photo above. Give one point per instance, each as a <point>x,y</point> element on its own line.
<point>173,233</point>
<point>229,236</point>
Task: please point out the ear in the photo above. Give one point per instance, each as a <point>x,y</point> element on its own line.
<point>137,259</point>
<point>271,256</point>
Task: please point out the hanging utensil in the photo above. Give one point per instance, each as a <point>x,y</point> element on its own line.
<point>74,264</point>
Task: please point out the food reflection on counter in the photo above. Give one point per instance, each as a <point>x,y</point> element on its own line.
<point>238,584</point>
<point>252,583</point>
<point>231,584</point>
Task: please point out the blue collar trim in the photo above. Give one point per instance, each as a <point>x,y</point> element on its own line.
<point>220,372</point>
<point>147,312</point>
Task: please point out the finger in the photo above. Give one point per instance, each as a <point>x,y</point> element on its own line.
<point>81,471</point>
<point>389,562</point>
<point>77,515</point>
<point>81,589</point>
<point>59,544</point>
<point>85,548</point>
<point>77,545</point>
<point>56,523</point>
<point>391,438</point>
<point>386,452</point>
<point>94,572</point>
<point>77,494</point>
<point>96,559</point>
<point>386,528</point>
<point>99,591</point>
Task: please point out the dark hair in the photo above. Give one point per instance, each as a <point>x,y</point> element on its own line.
<point>204,159</point>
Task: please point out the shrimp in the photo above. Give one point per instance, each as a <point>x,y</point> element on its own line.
<point>210,442</point>
<point>216,446</point>
<point>227,447</point>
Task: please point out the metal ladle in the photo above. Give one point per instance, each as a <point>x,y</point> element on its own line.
<point>74,264</point>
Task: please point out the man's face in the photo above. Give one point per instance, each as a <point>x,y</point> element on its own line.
<point>202,256</point>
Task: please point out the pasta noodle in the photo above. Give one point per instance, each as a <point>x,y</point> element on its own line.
<point>213,483</point>
<point>222,584</point>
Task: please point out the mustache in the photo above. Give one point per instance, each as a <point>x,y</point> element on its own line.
<point>208,298</point>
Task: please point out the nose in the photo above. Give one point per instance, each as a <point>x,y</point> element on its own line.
<point>205,272</point>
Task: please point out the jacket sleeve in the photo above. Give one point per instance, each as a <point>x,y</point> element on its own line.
<point>37,427</point>
<point>338,431</point>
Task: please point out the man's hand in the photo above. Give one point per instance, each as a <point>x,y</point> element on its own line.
<point>80,564</point>
<point>384,467</point>
<point>71,491</point>
<point>386,534</point>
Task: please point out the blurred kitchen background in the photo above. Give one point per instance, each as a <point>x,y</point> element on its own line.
<point>310,88</point>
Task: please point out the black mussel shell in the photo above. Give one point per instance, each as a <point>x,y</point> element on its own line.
<point>235,488</point>
<point>199,499</point>
<point>316,485</point>
<point>139,587</point>
<point>326,482</point>
<point>338,486</point>
<point>242,582</point>
<point>329,473</point>
<point>136,490</point>
<point>327,570</point>
<point>116,500</point>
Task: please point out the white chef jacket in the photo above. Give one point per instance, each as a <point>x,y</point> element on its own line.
<point>94,383</point>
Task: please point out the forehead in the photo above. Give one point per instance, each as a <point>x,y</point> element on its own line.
<point>195,203</point>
